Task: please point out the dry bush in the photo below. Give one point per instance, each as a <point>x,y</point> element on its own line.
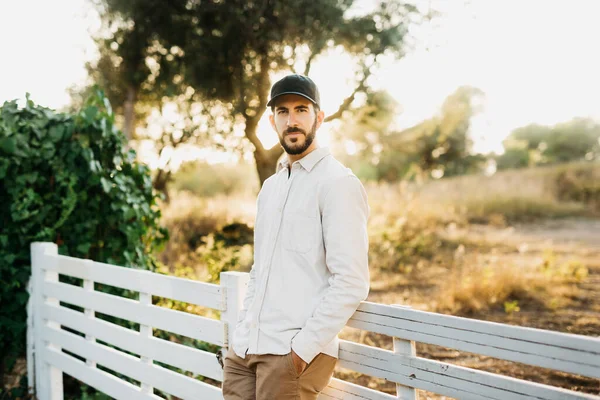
<point>579,183</point>
<point>483,282</point>
<point>392,202</point>
<point>193,222</point>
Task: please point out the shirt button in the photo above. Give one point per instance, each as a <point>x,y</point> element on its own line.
<point>253,325</point>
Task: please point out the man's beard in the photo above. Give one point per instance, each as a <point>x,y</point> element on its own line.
<point>298,149</point>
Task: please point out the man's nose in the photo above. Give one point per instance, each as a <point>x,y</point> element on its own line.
<point>292,121</point>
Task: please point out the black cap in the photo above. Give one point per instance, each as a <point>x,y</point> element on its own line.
<point>296,84</point>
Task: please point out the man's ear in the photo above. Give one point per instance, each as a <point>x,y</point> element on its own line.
<point>320,118</point>
<point>272,121</point>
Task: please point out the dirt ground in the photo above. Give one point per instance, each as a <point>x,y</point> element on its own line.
<point>573,238</point>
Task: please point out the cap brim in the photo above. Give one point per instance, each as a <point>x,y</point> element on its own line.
<point>270,103</point>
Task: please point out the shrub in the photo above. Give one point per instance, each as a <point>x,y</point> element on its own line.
<point>580,183</point>
<point>481,285</point>
<point>67,179</point>
<point>208,180</point>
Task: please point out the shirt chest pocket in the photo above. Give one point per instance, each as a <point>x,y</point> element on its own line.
<point>300,232</point>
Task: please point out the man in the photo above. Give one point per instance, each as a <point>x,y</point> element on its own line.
<point>310,269</point>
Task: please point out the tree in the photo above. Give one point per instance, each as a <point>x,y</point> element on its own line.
<point>361,136</point>
<point>227,51</point>
<point>440,145</point>
<point>445,145</point>
<point>121,71</point>
<point>535,144</point>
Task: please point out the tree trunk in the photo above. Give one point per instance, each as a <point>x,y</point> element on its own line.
<point>161,182</point>
<point>266,162</point>
<point>129,114</point>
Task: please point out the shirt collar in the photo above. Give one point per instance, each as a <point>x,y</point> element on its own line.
<point>308,162</point>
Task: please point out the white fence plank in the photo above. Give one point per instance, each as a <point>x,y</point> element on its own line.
<point>102,381</point>
<point>186,290</point>
<point>445,379</point>
<point>550,338</point>
<point>168,381</point>
<point>342,390</point>
<point>193,326</point>
<point>564,352</point>
<point>197,361</point>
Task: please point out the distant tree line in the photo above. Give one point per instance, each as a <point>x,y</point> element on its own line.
<point>578,139</point>
<point>442,145</point>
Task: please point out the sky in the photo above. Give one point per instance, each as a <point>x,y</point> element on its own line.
<point>535,60</point>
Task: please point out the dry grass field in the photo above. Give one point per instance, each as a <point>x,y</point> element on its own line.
<point>520,247</point>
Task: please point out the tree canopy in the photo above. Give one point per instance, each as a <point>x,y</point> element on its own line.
<point>223,54</point>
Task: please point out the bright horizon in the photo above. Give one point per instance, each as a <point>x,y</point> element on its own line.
<point>534,60</point>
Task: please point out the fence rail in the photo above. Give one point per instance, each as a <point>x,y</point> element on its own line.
<point>100,353</point>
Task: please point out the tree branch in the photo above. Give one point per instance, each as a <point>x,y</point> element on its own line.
<point>315,51</point>
<point>348,100</point>
<point>242,100</point>
<point>308,63</point>
<point>264,84</point>
<point>253,138</point>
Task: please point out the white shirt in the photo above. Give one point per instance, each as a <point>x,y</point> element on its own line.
<point>310,269</point>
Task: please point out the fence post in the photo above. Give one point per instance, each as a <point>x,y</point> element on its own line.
<point>407,348</point>
<point>146,332</point>
<point>234,285</point>
<point>30,339</point>
<point>88,286</point>
<point>48,379</point>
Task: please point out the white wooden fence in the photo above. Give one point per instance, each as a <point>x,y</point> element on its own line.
<point>51,347</point>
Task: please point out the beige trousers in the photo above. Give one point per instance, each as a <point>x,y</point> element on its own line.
<point>274,377</point>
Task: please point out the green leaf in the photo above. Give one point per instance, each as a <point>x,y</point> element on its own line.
<point>56,133</point>
<point>109,110</point>
<point>8,145</point>
<point>95,166</point>
<point>90,113</point>
<point>106,184</point>
<point>47,150</point>
<point>84,140</point>
<point>83,248</point>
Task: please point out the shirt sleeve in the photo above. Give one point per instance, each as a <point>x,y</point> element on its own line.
<point>344,220</point>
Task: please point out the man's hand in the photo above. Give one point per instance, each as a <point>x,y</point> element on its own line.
<point>299,363</point>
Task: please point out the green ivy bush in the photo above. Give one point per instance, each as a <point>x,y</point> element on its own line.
<point>67,179</point>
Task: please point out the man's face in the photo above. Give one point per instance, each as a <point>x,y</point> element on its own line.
<point>296,123</point>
